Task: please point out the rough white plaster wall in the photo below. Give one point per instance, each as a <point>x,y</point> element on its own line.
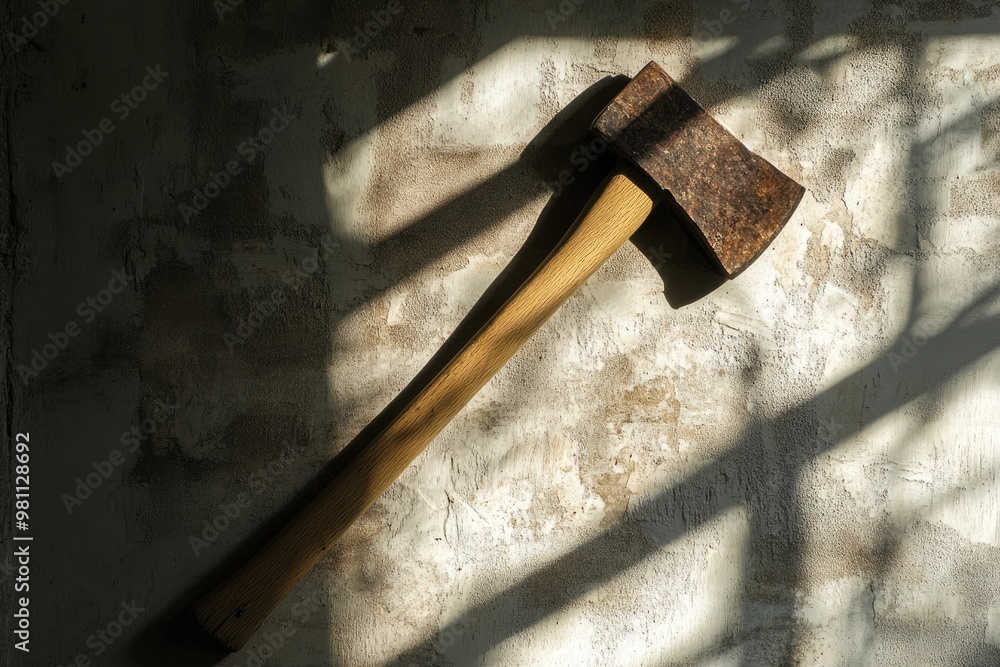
<point>775,474</point>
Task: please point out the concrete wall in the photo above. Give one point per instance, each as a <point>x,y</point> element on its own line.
<point>797,467</point>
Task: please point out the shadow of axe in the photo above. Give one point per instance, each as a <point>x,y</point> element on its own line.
<point>730,202</point>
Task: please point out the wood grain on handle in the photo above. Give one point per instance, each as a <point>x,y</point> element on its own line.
<point>234,610</point>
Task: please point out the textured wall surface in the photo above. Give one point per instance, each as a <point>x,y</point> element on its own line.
<point>798,467</point>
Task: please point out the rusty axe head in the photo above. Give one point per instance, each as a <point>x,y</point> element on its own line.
<point>731,200</point>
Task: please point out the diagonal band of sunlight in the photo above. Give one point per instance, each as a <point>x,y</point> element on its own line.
<point>624,545</point>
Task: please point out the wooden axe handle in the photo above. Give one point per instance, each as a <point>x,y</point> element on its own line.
<point>234,610</point>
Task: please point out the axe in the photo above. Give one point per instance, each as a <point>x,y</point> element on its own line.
<point>730,200</point>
